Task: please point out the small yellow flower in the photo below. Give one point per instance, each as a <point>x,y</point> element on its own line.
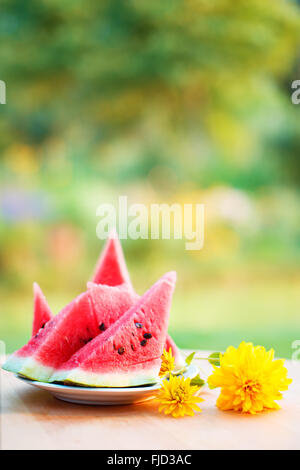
<point>177,397</point>
<point>250,379</point>
<point>167,363</point>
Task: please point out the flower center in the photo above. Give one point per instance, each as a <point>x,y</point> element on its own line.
<point>251,386</point>
<point>179,395</point>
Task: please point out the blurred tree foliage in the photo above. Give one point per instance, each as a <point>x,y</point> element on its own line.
<point>203,85</point>
<point>163,100</point>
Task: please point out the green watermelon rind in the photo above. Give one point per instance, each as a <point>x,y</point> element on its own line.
<point>29,368</point>
<point>14,363</point>
<point>146,376</point>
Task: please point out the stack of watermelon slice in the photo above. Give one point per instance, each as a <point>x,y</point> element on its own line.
<point>108,336</point>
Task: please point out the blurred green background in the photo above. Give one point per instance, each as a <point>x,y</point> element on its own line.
<point>163,101</point>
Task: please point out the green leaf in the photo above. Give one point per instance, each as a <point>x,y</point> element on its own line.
<point>179,371</point>
<point>198,381</point>
<point>190,358</point>
<point>212,387</point>
<point>214,359</point>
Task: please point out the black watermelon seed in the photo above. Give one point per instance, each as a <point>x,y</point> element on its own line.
<point>139,325</point>
<point>43,325</point>
<point>132,347</point>
<point>85,341</point>
<point>143,342</point>
<point>102,327</point>
<point>121,350</point>
<point>147,335</point>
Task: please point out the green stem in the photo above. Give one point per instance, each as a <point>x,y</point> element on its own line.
<point>211,359</point>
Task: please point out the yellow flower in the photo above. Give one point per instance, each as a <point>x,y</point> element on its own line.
<point>167,363</point>
<point>250,379</point>
<point>177,398</point>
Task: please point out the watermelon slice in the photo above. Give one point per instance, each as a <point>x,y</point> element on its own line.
<point>68,331</point>
<point>128,353</point>
<point>41,310</point>
<point>111,268</point>
<point>114,316</point>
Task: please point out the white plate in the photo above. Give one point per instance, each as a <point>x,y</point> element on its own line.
<point>103,396</point>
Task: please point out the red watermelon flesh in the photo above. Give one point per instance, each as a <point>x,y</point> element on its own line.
<point>115,315</point>
<point>116,308</point>
<point>67,332</point>
<point>111,268</point>
<point>128,353</point>
<point>41,310</point>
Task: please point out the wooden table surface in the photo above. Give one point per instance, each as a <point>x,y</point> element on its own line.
<point>33,419</point>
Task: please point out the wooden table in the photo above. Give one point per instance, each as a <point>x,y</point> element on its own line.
<point>33,419</point>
